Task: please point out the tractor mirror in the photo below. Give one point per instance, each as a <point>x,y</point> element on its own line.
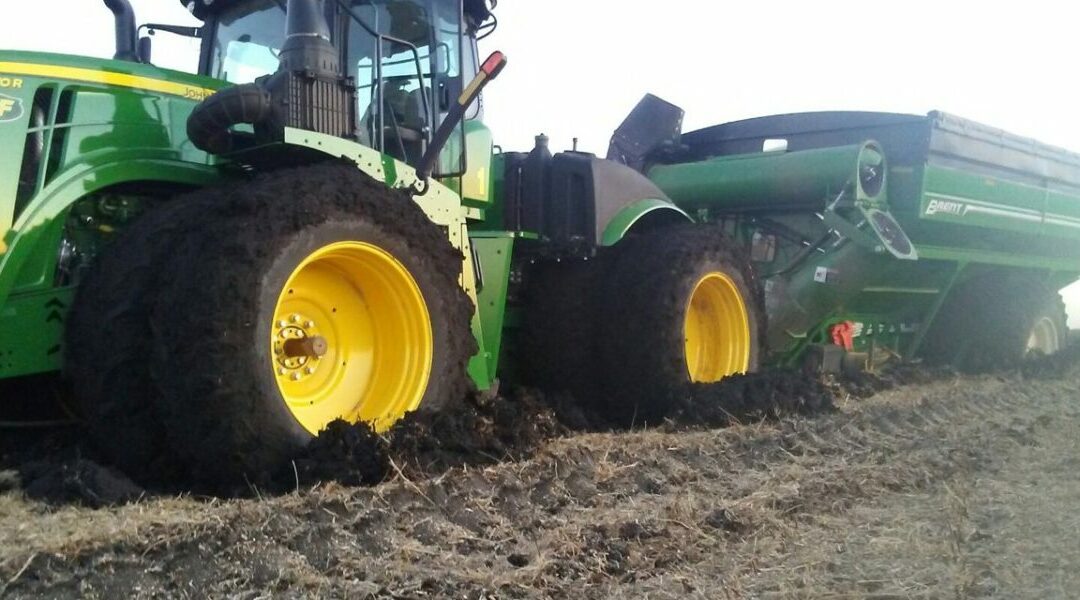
<point>146,44</point>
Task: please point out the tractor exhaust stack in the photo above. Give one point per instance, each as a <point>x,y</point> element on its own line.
<point>125,30</point>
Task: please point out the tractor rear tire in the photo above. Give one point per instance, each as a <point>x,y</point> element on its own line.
<point>557,343</point>
<point>323,296</point>
<point>679,305</point>
<point>997,321</point>
<point>108,338</point>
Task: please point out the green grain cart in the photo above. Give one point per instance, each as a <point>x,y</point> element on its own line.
<point>317,226</point>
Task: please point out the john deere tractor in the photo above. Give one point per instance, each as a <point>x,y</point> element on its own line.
<point>317,226</point>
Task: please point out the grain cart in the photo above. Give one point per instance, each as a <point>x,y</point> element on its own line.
<point>317,226</point>
<point>881,235</point>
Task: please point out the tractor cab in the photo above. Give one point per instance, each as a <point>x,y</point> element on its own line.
<point>405,59</point>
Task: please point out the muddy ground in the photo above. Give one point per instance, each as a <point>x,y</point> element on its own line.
<point>950,486</point>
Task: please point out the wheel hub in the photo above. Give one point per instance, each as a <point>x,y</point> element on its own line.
<point>298,347</point>
<point>1044,338</point>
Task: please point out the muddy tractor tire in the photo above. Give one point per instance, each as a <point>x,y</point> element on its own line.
<point>557,343</point>
<point>678,305</point>
<point>108,337</point>
<point>320,295</point>
<point>997,321</point>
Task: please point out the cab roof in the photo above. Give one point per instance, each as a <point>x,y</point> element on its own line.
<point>478,10</point>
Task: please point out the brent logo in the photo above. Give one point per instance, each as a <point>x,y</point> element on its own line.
<point>948,207</point>
<point>10,108</point>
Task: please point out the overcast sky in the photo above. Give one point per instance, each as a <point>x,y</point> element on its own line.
<point>578,66</point>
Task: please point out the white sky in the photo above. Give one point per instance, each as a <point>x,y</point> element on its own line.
<point>578,66</point>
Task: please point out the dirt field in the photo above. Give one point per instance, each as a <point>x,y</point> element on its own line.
<point>952,487</point>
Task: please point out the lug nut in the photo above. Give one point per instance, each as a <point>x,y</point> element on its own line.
<point>295,318</point>
<point>282,323</point>
<point>296,377</point>
<point>309,324</point>
<point>281,371</point>
<point>310,370</point>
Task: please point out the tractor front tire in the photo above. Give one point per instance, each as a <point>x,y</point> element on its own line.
<point>679,305</point>
<point>322,296</point>
<point>108,338</point>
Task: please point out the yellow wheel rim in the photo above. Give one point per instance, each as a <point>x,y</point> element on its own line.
<point>717,330</point>
<point>363,313</point>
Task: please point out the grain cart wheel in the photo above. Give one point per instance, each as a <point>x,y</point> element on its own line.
<point>1049,333</point>
<point>325,296</point>
<point>108,337</point>
<point>997,320</point>
<point>680,305</point>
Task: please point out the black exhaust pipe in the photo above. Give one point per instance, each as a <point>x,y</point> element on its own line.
<point>125,30</point>
<point>309,91</point>
<point>307,44</point>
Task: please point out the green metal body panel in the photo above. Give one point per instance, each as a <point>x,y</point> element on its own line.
<point>475,184</point>
<point>478,181</point>
<point>494,212</point>
<point>99,124</point>
<point>495,254</point>
<point>625,219</point>
<point>33,327</point>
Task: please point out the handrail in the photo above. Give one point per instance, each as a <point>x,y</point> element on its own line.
<point>379,40</point>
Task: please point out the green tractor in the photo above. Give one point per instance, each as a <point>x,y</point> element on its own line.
<point>317,226</point>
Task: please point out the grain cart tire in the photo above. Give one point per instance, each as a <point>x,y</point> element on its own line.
<point>997,321</point>
<point>324,296</point>
<point>108,338</point>
<point>679,305</point>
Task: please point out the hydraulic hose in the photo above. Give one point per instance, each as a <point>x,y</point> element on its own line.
<point>209,126</point>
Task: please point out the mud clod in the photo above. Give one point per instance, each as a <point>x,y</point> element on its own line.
<point>343,452</point>
<point>724,520</point>
<point>481,431</point>
<point>754,397</point>
<point>79,481</point>
<point>1055,366</point>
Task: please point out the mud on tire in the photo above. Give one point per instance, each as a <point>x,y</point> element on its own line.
<point>108,337</point>
<point>557,342</point>
<point>225,412</point>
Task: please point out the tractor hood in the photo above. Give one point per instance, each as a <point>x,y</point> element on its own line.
<point>24,71</point>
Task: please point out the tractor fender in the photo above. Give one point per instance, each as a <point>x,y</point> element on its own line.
<point>42,221</point>
<point>642,215</point>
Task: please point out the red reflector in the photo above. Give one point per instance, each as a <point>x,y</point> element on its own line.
<point>843,335</point>
<point>493,64</point>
